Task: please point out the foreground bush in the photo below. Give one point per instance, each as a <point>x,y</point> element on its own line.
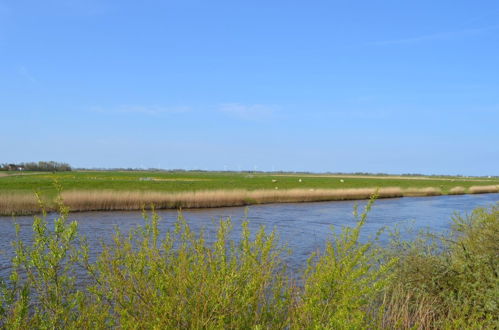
<point>341,284</point>
<point>179,280</point>
<point>182,281</point>
<point>448,281</point>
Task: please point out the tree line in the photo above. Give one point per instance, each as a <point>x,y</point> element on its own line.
<point>43,166</point>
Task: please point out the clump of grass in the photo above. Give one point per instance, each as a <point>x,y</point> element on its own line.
<point>483,189</point>
<point>457,191</point>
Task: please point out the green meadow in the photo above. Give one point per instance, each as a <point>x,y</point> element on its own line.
<point>201,181</point>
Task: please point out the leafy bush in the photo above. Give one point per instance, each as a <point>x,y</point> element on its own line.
<point>449,281</point>
<point>341,286</point>
<point>182,281</point>
<point>141,280</point>
<point>41,291</point>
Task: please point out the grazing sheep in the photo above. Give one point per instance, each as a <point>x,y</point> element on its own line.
<point>274,181</point>
<point>342,180</point>
<point>276,188</point>
<point>299,180</point>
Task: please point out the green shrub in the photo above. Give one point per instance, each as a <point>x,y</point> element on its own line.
<point>179,280</point>
<point>341,285</point>
<point>41,292</point>
<point>182,281</point>
<point>448,281</point>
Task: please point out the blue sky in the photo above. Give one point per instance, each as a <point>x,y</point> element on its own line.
<point>340,86</point>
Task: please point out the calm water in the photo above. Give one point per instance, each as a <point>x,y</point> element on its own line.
<point>303,227</point>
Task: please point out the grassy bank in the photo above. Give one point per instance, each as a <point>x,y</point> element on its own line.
<point>106,190</point>
<point>147,279</point>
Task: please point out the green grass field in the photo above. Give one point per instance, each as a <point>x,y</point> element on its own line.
<point>14,182</point>
<point>131,190</point>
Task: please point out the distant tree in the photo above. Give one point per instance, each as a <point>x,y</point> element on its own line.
<point>49,166</point>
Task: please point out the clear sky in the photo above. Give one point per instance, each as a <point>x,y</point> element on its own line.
<point>340,86</point>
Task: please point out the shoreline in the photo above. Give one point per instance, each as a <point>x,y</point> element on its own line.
<point>108,200</point>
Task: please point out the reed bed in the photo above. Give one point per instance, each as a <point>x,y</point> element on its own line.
<point>419,192</point>
<point>134,200</point>
<point>18,204</point>
<point>483,189</point>
<point>457,191</point>
<point>111,200</point>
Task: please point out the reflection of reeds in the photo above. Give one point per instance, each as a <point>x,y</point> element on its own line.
<point>483,189</point>
<point>457,191</point>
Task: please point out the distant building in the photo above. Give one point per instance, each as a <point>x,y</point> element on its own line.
<point>14,167</point>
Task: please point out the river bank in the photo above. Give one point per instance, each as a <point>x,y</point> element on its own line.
<point>109,200</point>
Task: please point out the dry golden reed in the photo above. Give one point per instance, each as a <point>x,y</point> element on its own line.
<point>428,191</point>
<point>134,200</point>
<point>18,203</point>
<point>404,311</point>
<point>457,191</point>
<point>483,189</point>
<point>94,200</point>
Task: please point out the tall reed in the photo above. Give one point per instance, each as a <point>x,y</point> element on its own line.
<point>135,200</point>
<point>483,189</point>
<point>457,191</point>
<point>18,203</point>
<point>102,200</point>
